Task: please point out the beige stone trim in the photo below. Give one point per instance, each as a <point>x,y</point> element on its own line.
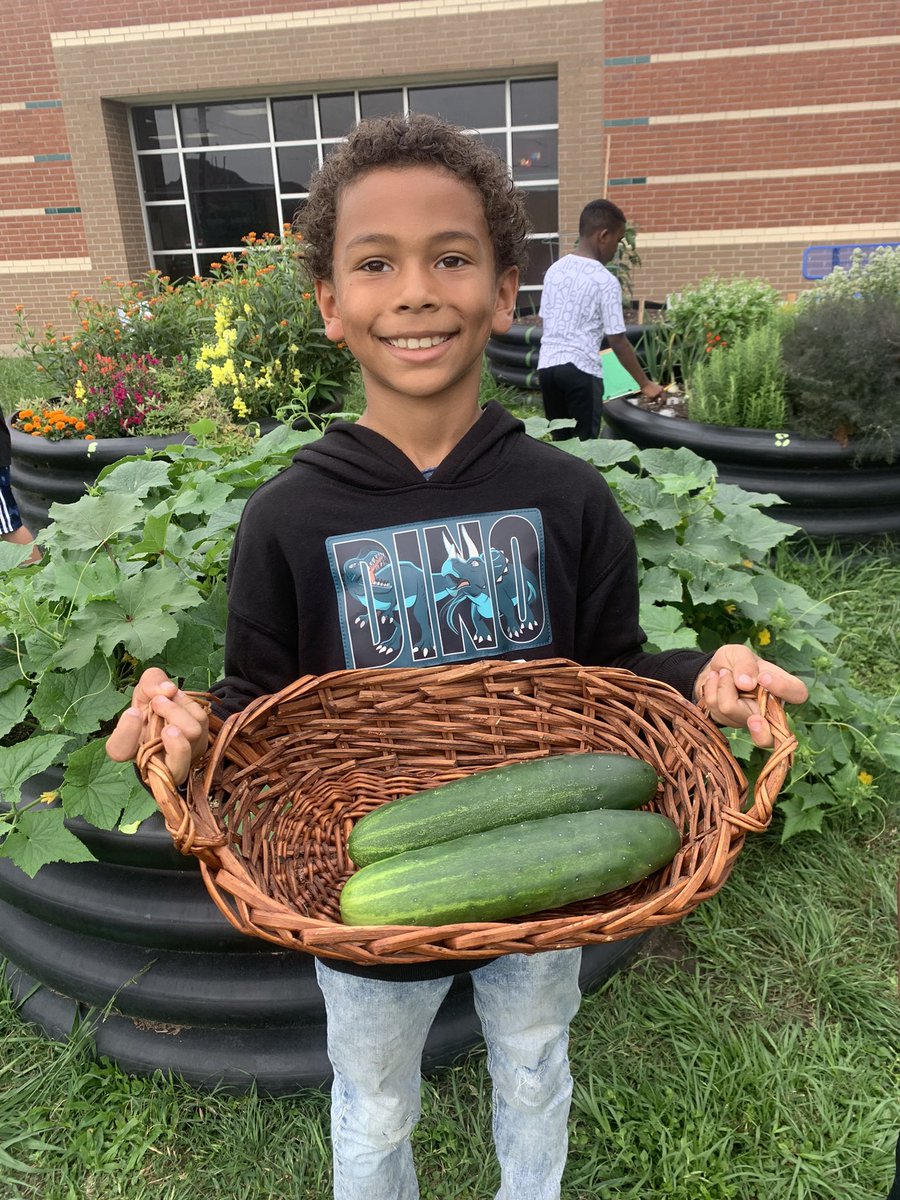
<point>311,18</point>
<point>797,110</point>
<point>862,43</point>
<point>801,234</point>
<point>25,266</point>
<point>22,212</point>
<point>14,160</point>
<point>775,173</point>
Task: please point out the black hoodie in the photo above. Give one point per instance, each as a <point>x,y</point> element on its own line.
<point>511,549</point>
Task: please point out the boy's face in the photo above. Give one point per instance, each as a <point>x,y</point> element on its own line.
<point>414,292</point>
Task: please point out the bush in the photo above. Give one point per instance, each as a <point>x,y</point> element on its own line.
<point>875,275</point>
<point>842,361</point>
<point>251,333</point>
<point>742,385</point>
<point>711,316</point>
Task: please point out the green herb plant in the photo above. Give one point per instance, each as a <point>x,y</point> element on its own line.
<point>743,384</point>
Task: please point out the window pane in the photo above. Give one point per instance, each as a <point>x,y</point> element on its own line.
<point>290,208</point>
<point>472,105</point>
<point>161,176</point>
<point>380,104</point>
<point>154,128</point>
<point>540,255</point>
<point>231,193</point>
<point>337,114</point>
<point>176,266</point>
<point>535,155</point>
<point>294,119</point>
<point>295,166</point>
<point>543,208</point>
<point>168,227</point>
<point>496,141</point>
<point>533,101</point>
<point>223,124</point>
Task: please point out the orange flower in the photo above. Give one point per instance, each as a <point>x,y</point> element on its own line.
<point>25,413</point>
<point>89,437</point>
<point>28,427</point>
<point>20,308</point>
<point>79,425</point>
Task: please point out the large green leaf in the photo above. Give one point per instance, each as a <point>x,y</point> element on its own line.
<point>78,701</point>
<point>93,521</point>
<point>651,504</point>
<point>13,705</point>
<point>140,618</point>
<point>677,470</point>
<point>40,837</point>
<point>665,628</point>
<point>102,791</point>
<point>134,477</point>
<point>25,759</point>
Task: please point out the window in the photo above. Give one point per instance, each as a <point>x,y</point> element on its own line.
<point>210,173</point>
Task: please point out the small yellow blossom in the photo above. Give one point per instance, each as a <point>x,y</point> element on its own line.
<point>865,778</point>
<point>293,348</point>
<point>764,637</point>
<point>47,797</point>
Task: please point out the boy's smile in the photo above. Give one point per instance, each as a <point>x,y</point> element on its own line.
<point>415,292</point>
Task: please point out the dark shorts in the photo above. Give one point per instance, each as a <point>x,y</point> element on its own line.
<point>569,393</point>
<point>10,520</point>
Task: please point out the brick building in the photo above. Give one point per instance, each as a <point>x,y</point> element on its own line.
<point>733,136</point>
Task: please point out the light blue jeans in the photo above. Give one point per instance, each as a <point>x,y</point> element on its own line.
<point>376,1034</point>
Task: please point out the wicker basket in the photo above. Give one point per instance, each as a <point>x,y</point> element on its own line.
<point>269,810</point>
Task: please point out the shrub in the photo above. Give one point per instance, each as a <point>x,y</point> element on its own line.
<point>713,315</point>
<point>842,361</point>
<point>742,385</point>
<point>252,333</point>
<point>875,275</point>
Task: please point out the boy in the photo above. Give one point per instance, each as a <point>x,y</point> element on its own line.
<point>375,547</point>
<point>580,303</point>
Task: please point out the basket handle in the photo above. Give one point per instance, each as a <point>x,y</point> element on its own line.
<point>757,816</point>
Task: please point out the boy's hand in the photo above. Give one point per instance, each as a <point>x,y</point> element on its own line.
<point>653,391</point>
<point>727,685</point>
<point>185,734</point>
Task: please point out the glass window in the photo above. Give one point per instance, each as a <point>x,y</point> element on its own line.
<point>541,253</point>
<point>543,208</point>
<point>228,124</point>
<point>168,227</point>
<point>154,128</point>
<point>472,105</point>
<point>380,104</point>
<point>533,101</point>
<point>161,177</point>
<point>231,192</point>
<point>337,114</point>
<point>294,119</point>
<point>176,266</point>
<point>535,155</point>
<point>295,166</point>
<point>228,168</point>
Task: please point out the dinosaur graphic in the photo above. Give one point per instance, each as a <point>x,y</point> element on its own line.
<point>469,584</point>
<point>369,579</point>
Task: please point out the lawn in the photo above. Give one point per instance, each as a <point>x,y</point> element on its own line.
<point>751,1052</point>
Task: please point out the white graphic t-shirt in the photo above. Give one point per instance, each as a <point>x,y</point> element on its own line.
<point>581,302</point>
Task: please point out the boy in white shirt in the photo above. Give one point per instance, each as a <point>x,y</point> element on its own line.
<point>581,303</point>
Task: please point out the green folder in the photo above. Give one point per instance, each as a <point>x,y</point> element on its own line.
<point>616,380</point>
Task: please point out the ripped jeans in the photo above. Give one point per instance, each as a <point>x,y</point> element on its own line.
<point>376,1034</point>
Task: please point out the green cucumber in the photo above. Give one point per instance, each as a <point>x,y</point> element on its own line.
<point>511,871</point>
<point>540,787</point>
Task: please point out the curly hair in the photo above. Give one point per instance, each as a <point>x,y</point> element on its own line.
<point>414,140</point>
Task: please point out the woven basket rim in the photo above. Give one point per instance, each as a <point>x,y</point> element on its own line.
<point>194,825</point>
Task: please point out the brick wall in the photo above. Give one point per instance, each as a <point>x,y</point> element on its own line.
<point>737,135</point>
<point>741,134</point>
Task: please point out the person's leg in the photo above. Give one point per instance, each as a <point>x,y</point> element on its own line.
<point>584,397</point>
<point>553,394</point>
<point>525,1003</point>
<point>376,1034</point>
<point>11,527</point>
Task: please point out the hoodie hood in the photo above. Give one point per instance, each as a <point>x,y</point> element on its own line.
<point>362,458</point>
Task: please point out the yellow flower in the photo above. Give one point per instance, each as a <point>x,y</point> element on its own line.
<point>746,562</point>
<point>865,778</point>
<point>247,309</point>
<point>764,637</point>
<point>79,389</point>
<point>293,349</point>
<point>730,608</point>
<point>47,797</point>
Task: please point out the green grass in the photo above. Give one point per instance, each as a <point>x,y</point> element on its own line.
<point>20,382</point>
